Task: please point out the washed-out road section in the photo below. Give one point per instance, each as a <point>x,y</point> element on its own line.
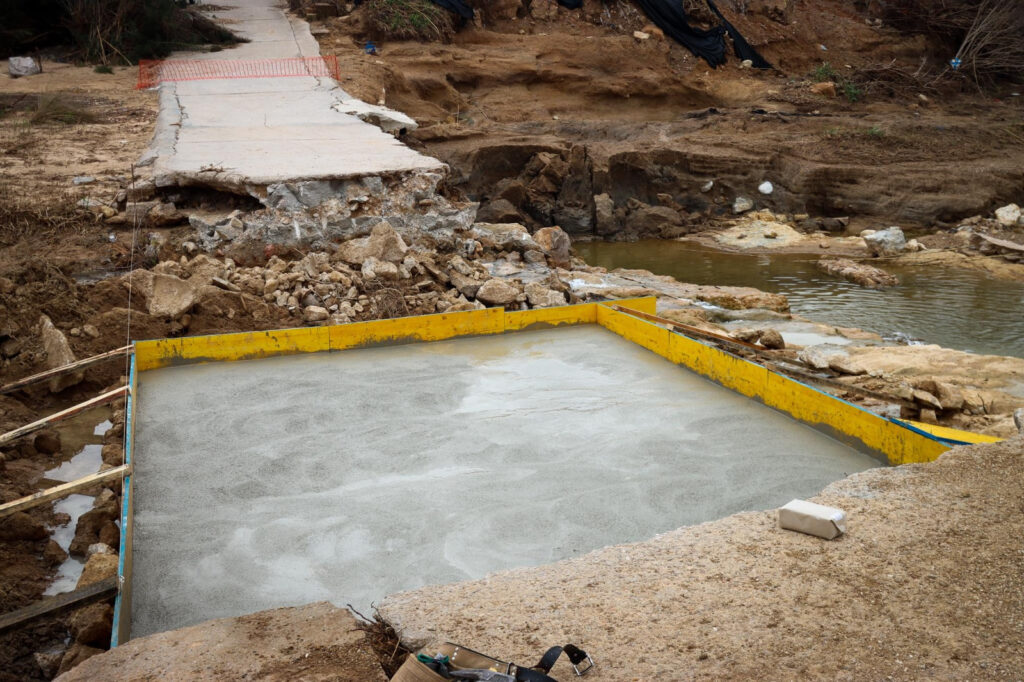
<point>241,133</point>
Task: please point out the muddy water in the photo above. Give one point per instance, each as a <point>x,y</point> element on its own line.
<point>953,308</point>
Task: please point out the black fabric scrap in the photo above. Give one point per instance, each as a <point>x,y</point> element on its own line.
<point>744,50</point>
<point>571,4</point>
<point>456,7</point>
<point>670,17</point>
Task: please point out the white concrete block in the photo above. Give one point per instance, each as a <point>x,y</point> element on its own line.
<point>813,519</point>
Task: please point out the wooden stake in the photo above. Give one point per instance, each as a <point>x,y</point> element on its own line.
<point>63,490</point>
<point>89,594</point>
<point>80,364</point>
<point>63,414</point>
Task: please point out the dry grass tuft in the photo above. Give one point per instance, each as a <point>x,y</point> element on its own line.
<point>21,217</point>
<point>409,20</point>
<point>53,108</point>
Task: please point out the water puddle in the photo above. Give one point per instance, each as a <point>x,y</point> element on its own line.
<point>954,308</point>
<point>71,570</point>
<point>82,445</point>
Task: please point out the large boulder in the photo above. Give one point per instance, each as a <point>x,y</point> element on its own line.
<point>383,243</point>
<point>888,242</point>
<point>604,215</point>
<point>58,354</point>
<point>497,292</point>
<point>555,243</point>
<point>23,66</point>
<point>170,296</point>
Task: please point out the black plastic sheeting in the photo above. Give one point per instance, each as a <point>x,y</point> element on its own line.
<point>744,50</point>
<point>670,17</point>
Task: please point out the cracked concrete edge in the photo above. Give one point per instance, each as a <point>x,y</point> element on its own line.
<point>165,129</point>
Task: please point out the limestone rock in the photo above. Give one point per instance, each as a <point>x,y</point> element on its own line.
<point>888,242</point>
<point>949,396</point>
<point>540,296</point>
<point>315,313</point>
<point>98,567</point>
<point>58,354</point>
<point>383,243</point>
<point>819,357</point>
<point>170,297</point>
<point>927,399</point>
<point>91,624</point>
<point>497,292</point>
<point>76,655</point>
<point>49,661</point>
<point>858,273</point>
<point>467,286</point>
<point>90,524</point>
<point>555,243</point>
<point>844,364</point>
<point>1008,215</point>
<point>510,236</point>
<point>771,338</point>
<point>374,267</point>
<point>742,205</point>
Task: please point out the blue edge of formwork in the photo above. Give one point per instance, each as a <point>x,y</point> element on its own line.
<point>126,492</point>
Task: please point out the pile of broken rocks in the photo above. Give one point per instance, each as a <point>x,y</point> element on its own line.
<point>375,276</point>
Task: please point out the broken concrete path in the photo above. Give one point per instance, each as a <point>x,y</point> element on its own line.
<point>243,133</point>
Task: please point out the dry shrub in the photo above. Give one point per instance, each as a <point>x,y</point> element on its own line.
<point>53,108</point>
<point>409,20</point>
<point>984,34</point>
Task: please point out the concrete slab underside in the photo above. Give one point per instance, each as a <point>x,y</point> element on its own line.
<point>348,476</point>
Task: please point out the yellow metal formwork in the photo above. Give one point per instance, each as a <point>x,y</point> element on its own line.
<point>896,442</point>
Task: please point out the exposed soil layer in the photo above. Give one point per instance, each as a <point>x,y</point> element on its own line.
<point>538,115</point>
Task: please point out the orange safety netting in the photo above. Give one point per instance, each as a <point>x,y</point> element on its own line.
<point>153,71</point>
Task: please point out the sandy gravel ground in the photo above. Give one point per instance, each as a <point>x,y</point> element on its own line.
<point>927,584</point>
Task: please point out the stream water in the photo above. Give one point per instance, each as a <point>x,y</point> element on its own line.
<point>950,307</point>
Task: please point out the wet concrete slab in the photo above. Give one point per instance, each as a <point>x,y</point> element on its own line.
<point>348,476</point>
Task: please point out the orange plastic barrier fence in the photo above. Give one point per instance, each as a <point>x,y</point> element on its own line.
<point>153,71</point>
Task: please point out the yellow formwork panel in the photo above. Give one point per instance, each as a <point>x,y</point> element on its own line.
<point>551,317</point>
<point>899,445</point>
<point>418,328</point>
<point>228,347</point>
<point>252,345</point>
<point>947,433</point>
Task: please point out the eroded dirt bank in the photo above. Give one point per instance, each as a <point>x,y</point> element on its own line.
<point>553,116</point>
